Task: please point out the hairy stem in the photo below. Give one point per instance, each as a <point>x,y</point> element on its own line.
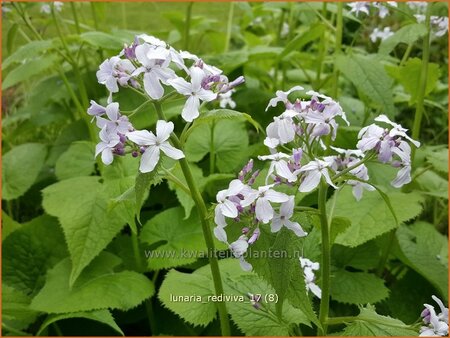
<point>229,27</point>
<point>207,233</point>
<point>338,46</point>
<point>325,268</point>
<point>187,25</point>
<point>422,82</point>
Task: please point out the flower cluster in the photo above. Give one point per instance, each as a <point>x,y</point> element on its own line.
<point>382,8</point>
<point>439,24</point>
<point>46,9</point>
<point>380,34</point>
<point>151,66</point>
<point>436,324</point>
<point>301,157</point>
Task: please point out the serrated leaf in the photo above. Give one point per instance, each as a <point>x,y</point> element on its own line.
<point>337,226</point>
<point>8,225</point>
<point>289,283</point>
<point>142,186</point>
<point>301,40</point>
<point>76,161</point>
<point>357,287</point>
<point>369,323</point>
<point>407,34</point>
<point>26,70</point>
<point>171,230</point>
<point>176,290</point>
<point>101,316</point>
<point>230,144</point>
<point>21,167</point>
<point>81,205</point>
<point>421,247</point>
<point>29,251</point>
<point>255,322</point>
<point>439,160</point>
<point>98,287</point>
<point>371,217</point>
<point>27,51</point>
<point>15,308</point>
<point>368,76</point>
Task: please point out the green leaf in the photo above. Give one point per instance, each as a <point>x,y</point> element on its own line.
<point>230,144</point>
<point>368,76</point>
<point>407,34</point>
<point>76,161</point>
<point>357,287</point>
<point>15,308</point>
<point>26,70</point>
<point>255,322</point>
<point>29,251</point>
<point>101,316</point>
<point>288,283</point>
<point>21,167</point>
<point>337,226</point>
<point>102,40</point>
<point>8,225</point>
<point>424,249</point>
<point>142,186</point>
<point>409,77</point>
<point>81,205</point>
<point>432,184</point>
<point>99,286</point>
<point>176,290</point>
<point>223,114</point>
<point>170,230</point>
<point>11,37</point>
<point>371,217</point>
<point>439,160</point>
<point>364,257</point>
<point>369,323</point>
<point>27,51</point>
<point>299,41</point>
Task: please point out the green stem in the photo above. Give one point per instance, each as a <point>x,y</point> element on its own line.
<point>187,25</point>
<point>207,234</point>
<point>338,46</point>
<point>321,52</point>
<point>422,82</point>
<point>229,27</point>
<point>75,17</point>
<point>348,169</point>
<point>14,331</point>
<point>325,267</point>
<point>212,154</point>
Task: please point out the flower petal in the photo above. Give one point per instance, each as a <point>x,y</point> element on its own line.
<point>152,86</point>
<point>149,160</point>
<point>163,130</point>
<point>190,109</point>
<point>275,196</point>
<point>171,151</point>
<point>228,209</point>
<point>263,210</point>
<point>142,137</point>
<point>310,182</point>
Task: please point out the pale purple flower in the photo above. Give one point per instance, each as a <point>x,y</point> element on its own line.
<point>95,109</point>
<point>208,69</point>
<point>155,71</point>
<point>397,129</point>
<point>404,174</point>
<point>279,165</point>
<point>226,100</point>
<point>155,144</point>
<point>359,6</point>
<point>380,34</point>
<point>109,140</point>
<point>314,171</point>
<point>263,196</point>
<point>116,122</point>
<point>114,71</point>
<point>283,219</point>
<point>239,248</point>
<point>282,96</point>
<point>436,327</point>
<point>194,92</point>
<point>225,207</point>
<point>254,237</point>
<point>162,51</point>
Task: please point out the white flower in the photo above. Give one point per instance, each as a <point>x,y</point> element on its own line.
<point>109,139</point>
<point>239,248</point>
<point>194,91</point>
<point>226,100</point>
<point>279,165</point>
<point>404,174</point>
<point>46,9</point>
<point>398,130</point>
<point>263,196</point>
<point>155,144</point>
<point>314,171</point>
<point>155,71</point>
<point>225,207</point>
<point>436,327</point>
<point>209,70</point>
<point>282,96</point>
<point>360,6</point>
<point>308,272</point>
<point>116,122</point>
<point>283,219</point>
<point>281,130</point>
<point>380,34</point>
